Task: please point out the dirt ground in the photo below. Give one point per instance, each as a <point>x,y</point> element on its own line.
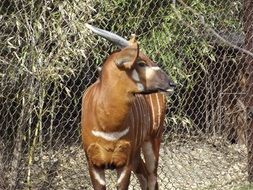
<point>183,165</point>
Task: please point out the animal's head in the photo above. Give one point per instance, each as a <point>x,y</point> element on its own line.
<point>136,72</point>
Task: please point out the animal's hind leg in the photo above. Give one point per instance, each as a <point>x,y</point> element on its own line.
<point>142,174</point>
<point>151,154</point>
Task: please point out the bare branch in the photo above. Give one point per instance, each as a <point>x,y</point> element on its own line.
<point>210,29</point>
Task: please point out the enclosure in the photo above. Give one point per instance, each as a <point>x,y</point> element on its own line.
<point>48,58</point>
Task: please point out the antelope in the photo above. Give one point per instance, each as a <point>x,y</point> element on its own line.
<point>123,114</point>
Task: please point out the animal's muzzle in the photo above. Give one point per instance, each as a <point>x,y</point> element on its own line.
<point>167,84</point>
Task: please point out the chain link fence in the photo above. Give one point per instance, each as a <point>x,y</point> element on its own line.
<point>48,58</point>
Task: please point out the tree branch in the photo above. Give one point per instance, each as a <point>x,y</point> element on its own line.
<point>210,29</point>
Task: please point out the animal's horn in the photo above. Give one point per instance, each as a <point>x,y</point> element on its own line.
<point>114,38</point>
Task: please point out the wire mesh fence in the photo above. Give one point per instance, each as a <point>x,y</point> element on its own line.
<point>48,58</point>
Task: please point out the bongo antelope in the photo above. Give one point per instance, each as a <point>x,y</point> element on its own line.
<point>123,114</point>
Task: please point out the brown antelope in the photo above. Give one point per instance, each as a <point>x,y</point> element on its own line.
<point>122,116</point>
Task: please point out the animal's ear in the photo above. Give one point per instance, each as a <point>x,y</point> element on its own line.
<point>132,39</point>
<point>126,58</point>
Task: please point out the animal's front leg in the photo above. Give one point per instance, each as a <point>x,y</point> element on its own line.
<point>97,177</point>
<point>124,175</point>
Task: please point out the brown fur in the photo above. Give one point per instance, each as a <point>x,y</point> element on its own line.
<point>110,105</point>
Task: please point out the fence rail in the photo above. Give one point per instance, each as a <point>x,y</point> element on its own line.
<point>48,58</point>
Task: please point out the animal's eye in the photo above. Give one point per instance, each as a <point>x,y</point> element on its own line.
<point>141,64</point>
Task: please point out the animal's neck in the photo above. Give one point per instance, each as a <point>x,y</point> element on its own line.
<point>113,105</point>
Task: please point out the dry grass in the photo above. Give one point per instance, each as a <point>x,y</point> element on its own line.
<point>47,59</point>
<point>183,165</point>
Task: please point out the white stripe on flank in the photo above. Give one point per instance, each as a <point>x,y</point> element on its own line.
<point>159,109</point>
<point>144,119</point>
<point>141,119</point>
<point>110,136</point>
<point>138,122</point>
<point>135,112</point>
<point>98,177</point>
<point>152,110</point>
